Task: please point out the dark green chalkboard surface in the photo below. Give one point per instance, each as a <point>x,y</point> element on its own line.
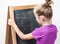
<point>26,22</point>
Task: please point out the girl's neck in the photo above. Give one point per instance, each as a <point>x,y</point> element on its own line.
<point>47,23</point>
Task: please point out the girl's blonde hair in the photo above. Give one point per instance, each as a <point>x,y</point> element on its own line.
<point>45,10</point>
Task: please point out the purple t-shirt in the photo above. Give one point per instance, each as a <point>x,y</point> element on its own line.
<point>45,34</point>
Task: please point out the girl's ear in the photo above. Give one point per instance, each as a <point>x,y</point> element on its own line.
<point>43,20</point>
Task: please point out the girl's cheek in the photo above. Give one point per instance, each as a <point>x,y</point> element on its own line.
<point>38,21</point>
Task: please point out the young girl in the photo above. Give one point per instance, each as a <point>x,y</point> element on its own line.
<point>47,33</point>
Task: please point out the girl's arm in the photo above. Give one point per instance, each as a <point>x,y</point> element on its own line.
<point>19,33</point>
<point>22,35</point>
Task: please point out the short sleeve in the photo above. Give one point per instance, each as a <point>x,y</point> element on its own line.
<point>37,33</point>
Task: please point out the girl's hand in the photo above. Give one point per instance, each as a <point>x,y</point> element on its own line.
<point>11,22</point>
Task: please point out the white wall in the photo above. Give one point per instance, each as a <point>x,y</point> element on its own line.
<point>56,18</point>
<point>3,14</point>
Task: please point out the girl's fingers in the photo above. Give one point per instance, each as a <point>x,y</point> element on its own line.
<point>9,21</point>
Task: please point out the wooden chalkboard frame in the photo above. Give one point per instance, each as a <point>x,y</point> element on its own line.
<point>10,33</point>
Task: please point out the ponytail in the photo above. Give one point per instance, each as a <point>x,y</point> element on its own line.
<point>47,3</point>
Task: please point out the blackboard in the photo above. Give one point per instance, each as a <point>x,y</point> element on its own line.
<point>26,22</point>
